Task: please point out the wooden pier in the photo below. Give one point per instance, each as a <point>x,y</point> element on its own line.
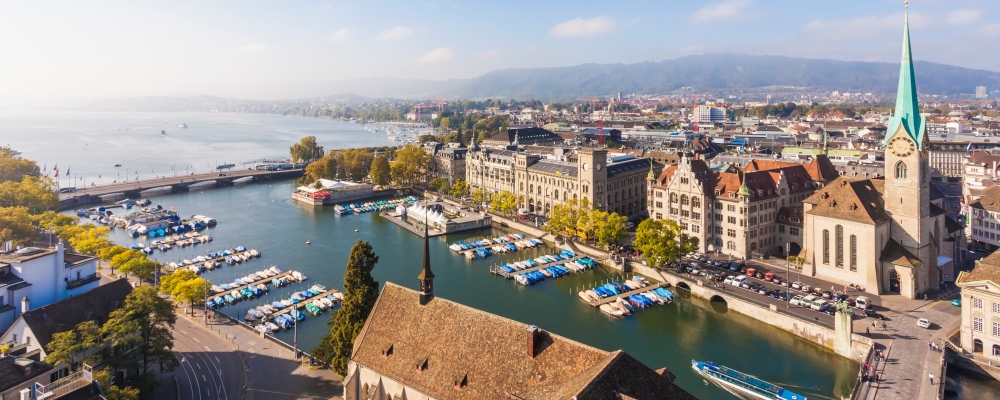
<point>255,283</point>
<point>611,299</point>
<point>302,304</point>
<point>171,240</point>
<point>217,261</point>
<point>510,275</point>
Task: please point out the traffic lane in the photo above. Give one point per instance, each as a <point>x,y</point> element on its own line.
<point>211,369</point>
<point>793,276</point>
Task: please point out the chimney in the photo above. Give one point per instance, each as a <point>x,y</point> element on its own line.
<point>24,305</point>
<point>532,336</point>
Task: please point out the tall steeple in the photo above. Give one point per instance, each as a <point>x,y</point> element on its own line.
<point>426,277</point>
<point>907,111</point>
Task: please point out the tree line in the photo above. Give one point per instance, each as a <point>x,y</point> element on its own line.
<point>577,218</point>
<point>407,166</point>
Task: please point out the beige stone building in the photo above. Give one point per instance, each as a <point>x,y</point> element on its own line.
<point>980,331</point>
<point>888,235</point>
<point>613,184</point>
<point>742,213</point>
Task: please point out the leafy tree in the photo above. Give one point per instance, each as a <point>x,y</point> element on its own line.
<point>355,163</point>
<point>439,184</point>
<point>564,219</point>
<point>505,202</point>
<point>459,189</point>
<point>36,193</point>
<point>426,138</point>
<point>411,166</point>
<point>661,242</point>
<point>360,293</point>
<point>108,253</point>
<point>306,150</point>
<point>612,229</point>
<point>191,291</point>
<point>140,266</point>
<point>171,281</point>
<point>65,346</point>
<point>144,323</point>
<point>91,240</point>
<point>112,391</point>
<point>15,225</point>
<point>479,195</point>
<point>13,168</point>
<point>380,174</point>
<point>4,348</point>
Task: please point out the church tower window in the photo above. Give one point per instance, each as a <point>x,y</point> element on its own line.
<point>840,246</point>
<point>900,170</point>
<point>826,246</point>
<point>854,253</point>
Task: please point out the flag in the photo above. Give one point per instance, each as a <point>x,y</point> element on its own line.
<point>67,171</point>
<point>56,168</point>
<point>968,148</point>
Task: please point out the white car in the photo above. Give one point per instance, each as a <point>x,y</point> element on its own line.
<point>729,280</point>
<point>820,304</point>
<point>923,323</point>
<point>796,285</point>
<point>796,300</point>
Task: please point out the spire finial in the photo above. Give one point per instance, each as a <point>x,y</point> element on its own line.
<point>906,5</point>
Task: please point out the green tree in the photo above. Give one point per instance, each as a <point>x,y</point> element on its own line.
<point>306,150</point>
<point>565,218</point>
<point>144,322</point>
<point>479,195</point>
<point>411,166</point>
<point>505,202</point>
<point>360,293</point>
<point>171,281</point>
<point>92,240</point>
<point>66,346</point>
<point>661,242</point>
<point>112,391</point>
<point>459,189</point>
<point>15,225</point>
<point>37,194</point>
<point>612,229</point>
<point>191,291</point>
<point>381,174</point>
<point>14,168</point>
<point>439,184</point>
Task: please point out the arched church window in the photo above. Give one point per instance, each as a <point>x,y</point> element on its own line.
<point>840,246</point>
<point>900,170</point>
<point>826,246</point>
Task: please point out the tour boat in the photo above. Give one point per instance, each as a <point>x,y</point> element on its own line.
<point>741,384</point>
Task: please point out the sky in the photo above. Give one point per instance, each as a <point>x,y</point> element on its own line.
<point>251,49</point>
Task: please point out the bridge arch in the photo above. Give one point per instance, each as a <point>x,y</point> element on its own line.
<point>718,299</point>
<point>683,285</point>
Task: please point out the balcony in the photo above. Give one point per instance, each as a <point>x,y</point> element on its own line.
<point>82,281</point>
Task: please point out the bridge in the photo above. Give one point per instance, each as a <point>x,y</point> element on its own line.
<point>177,184</point>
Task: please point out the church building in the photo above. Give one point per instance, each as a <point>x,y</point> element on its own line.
<point>887,235</point>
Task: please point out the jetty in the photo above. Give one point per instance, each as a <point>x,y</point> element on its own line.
<point>255,283</point>
<point>134,189</point>
<point>611,299</point>
<point>303,304</point>
<point>211,264</point>
<point>496,269</point>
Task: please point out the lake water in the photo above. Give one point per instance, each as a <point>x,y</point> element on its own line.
<point>262,216</point>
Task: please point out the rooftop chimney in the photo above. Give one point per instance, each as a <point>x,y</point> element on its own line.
<point>24,305</point>
<point>532,335</point>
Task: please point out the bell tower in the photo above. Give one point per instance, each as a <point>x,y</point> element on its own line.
<point>426,277</point>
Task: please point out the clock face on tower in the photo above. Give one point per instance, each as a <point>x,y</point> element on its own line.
<point>901,147</point>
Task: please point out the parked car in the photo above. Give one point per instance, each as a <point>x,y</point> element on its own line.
<point>797,300</point>
<point>820,304</point>
<point>751,272</point>
<point>924,323</point>
<point>806,288</point>
<point>827,295</point>
<point>783,296</point>
<point>796,285</point>
<point>769,277</point>
<point>831,311</point>
<point>872,314</point>
<point>729,280</point>
<point>863,302</point>
<point>754,286</point>
<point>759,275</point>
<point>807,301</point>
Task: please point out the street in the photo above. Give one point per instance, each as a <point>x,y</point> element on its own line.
<point>209,367</point>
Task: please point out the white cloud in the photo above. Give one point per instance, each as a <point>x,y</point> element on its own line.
<point>579,27</point>
<point>490,55</point>
<point>341,35</point>
<point>251,48</point>
<point>866,27</point>
<point>437,55</point>
<point>964,16</point>
<point>721,10</point>
<point>990,30</point>
<point>394,33</point>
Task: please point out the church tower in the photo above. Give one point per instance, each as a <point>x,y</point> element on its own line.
<point>907,176</point>
<point>426,277</point>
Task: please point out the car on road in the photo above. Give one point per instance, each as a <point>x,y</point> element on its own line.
<point>754,286</point>
<point>827,295</point>
<point>807,301</point>
<point>820,304</point>
<point>863,302</point>
<point>783,296</point>
<point>957,302</point>
<point>769,277</point>
<point>797,300</point>
<point>806,288</point>
<point>872,314</point>
<point>923,323</point>
<point>796,285</point>
<point>729,280</point>
<point>831,311</point>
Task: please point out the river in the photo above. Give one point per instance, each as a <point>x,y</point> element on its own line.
<point>262,216</point>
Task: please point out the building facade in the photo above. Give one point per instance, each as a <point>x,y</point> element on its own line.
<point>43,276</point>
<point>736,212</point>
<point>980,329</point>
<point>612,184</point>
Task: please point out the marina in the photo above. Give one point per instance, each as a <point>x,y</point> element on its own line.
<point>623,299</point>
<point>478,249</point>
<point>228,291</point>
<point>175,241</point>
<point>521,270</point>
<point>201,263</point>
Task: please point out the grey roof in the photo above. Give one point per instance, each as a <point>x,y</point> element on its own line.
<point>93,305</point>
<point>627,166</point>
<point>15,370</point>
<point>556,167</point>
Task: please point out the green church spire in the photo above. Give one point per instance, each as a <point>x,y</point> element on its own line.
<point>907,111</point>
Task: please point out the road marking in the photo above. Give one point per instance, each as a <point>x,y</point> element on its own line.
<point>198,365</point>
<point>208,349</point>
<point>217,359</point>
<point>185,333</point>
<point>204,380</point>
<point>196,339</point>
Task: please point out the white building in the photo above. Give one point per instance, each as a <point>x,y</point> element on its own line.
<point>980,92</point>
<point>704,114</point>
<point>980,333</point>
<point>44,276</point>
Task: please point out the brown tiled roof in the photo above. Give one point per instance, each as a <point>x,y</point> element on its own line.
<point>821,169</point>
<point>850,198</point>
<point>490,353</point>
<point>786,214</point>
<point>93,305</point>
<point>987,269</point>
<point>990,200</point>
<point>14,371</point>
<point>764,165</point>
<point>896,254</point>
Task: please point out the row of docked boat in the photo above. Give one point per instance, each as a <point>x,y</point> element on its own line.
<point>539,261</point>
<point>283,314</point>
<point>372,206</point>
<point>213,260</point>
<point>512,238</point>
<point>554,271</point>
<point>625,304</point>
<point>184,240</point>
<point>253,279</point>
<point>251,286</point>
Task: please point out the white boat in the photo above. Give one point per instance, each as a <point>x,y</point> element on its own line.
<point>273,326</point>
<point>298,276</point>
<point>286,303</point>
<point>319,303</point>
<point>237,295</point>
<point>275,269</point>
<point>182,126</point>
<point>319,287</point>
<point>262,328</point>
<point>327,302</point>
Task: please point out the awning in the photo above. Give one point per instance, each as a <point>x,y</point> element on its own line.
<point>943,259</point>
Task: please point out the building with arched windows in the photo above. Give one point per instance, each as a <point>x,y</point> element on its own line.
<point>888,235</point>
<point>981,307</point>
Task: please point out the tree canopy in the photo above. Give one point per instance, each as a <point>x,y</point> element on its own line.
<point>360,293</point>
<point>66,346</point>
<point>306,150</point>
<point>459,189</point>
<point>661,242</point>
<point>144,322</point>
<point>411,166</point>
<point>380,174</point>
<point>505,202</point>
<point>13,168</point>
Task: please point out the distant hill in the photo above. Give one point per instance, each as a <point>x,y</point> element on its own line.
<point>723,72</point>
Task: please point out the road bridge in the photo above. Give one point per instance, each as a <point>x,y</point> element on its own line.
<point>176,184</point>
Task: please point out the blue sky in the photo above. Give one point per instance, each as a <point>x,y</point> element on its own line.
<point>246,49</point>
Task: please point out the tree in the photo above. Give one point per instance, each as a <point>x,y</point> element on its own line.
<point>661,242</point>
<point>91,240</point>
<point>65,346</point>
<point>360,293</point>
<point>411,166</point>
<point>505,202</point>
<point>612,229</point>
<point>479,195</point>
<point>459,189</point>
<point>15,225</point>
<point>306,150</point>
<point>35,193</point>
<point>565,218</point>
<point>14,168</point>
<point>171,281</point>
<point>380,173</point>
<point>112,391</point>
<point>439,184</point>
<point>191,291</point>
<point>144,323</point>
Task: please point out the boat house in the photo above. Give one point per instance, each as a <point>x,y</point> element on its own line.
<point>328,192</point>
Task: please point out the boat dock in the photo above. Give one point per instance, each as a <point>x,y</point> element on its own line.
<point>510,275</point>
<point>186,239</point>
<point>419,231</point>
<point>611,299</point>
<point>302,304</point>
<point>217,261</point>
<point>255,283</point>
